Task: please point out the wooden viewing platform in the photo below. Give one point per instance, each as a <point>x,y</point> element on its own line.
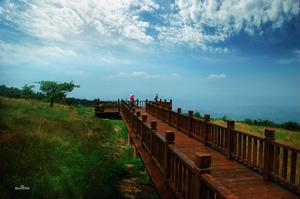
<point>188,157</point>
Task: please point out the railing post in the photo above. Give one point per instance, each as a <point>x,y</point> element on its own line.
<point>146,105</point>
<point>132,119</point>
<point>169,139</point>
<point>153,128</point>
<point>178,115</point>
<point>144,119</point>
<point>268,153</point>
<point>135,152</point>
<point>169,118</point>
<point>206,120</point>
<point>138,114</point>
<point>203,162</point>
<point>129,139</point>
<point>229,138</point>
<point>203,166</point>
<point>137,103</point>
<point>171,104</point>
<point>190,123</point>
<point>119,105</point>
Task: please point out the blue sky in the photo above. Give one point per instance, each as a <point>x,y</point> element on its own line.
<point>221,57</point>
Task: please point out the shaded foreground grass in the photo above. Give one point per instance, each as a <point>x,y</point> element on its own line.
<point>64,152</point>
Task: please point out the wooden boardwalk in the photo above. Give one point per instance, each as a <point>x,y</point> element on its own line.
<point>192,158</point>
<point>242,181</point>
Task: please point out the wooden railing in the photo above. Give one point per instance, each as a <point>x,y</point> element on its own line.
<point>274,160</point>
<point>186,178</point>
<point>163,103</point>
<point>101,106</point>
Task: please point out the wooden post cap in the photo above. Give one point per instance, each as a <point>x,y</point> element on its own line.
<point>144,118</point>
<point>230,123</point>
<point>207,117</point>
<point>165,100</point>
<point>138,114</point>
<point>270,134</point>
<point>191,113</point>
<point>178,110</point>
<point>146,101</point>
<point>170,137</point>
<point>153,125</point>
<point>203,160</point>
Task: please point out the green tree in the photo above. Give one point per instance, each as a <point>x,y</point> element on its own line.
<point>224,118</point>
<point>54,90</point>
<point>197,114</point>
<point>27,92</point>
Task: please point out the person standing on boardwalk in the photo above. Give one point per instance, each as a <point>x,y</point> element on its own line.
<point>131,99</point>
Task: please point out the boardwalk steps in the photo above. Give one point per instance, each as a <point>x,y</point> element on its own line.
<point>192,158</point>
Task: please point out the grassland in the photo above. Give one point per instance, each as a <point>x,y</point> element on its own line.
<point>65,152</point>
<point>289,137</point>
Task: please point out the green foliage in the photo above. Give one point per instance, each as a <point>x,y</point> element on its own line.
<point>17,93</point>
<point>197,114</point>
<point>54,90</point>
<point>224,118</point>
<point>10,92</point>
<point>27,91</point>
<point>293,126</point>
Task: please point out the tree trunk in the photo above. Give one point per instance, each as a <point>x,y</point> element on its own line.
<point>51,102</point>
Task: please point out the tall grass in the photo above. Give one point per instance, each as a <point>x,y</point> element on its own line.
<point>289,137</point>
<point>62,152</point>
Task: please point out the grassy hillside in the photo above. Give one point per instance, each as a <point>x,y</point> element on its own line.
<point>289,137</point>
<point>64,152</point>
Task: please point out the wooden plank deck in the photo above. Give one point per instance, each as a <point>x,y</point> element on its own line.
<point>242,181</point>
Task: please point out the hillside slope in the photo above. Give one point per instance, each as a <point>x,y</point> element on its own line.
<point>65,152</point>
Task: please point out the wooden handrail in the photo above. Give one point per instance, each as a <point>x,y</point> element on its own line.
<point>161,154</point>
<point>273,159</point>
<point>251,150</point>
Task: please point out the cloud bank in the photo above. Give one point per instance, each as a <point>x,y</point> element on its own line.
<point>195,23</point>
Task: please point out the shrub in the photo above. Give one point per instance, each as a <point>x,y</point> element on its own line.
<point>197,114</point>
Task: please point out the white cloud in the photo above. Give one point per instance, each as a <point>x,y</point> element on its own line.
<point>16,53</point>
<point>196,23</point>
<point>59,20</point>
<point>216,76</point>
<point>145,75</point>
<point>294,58</point>
<point>204,22</point>
<point>35,50</point>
